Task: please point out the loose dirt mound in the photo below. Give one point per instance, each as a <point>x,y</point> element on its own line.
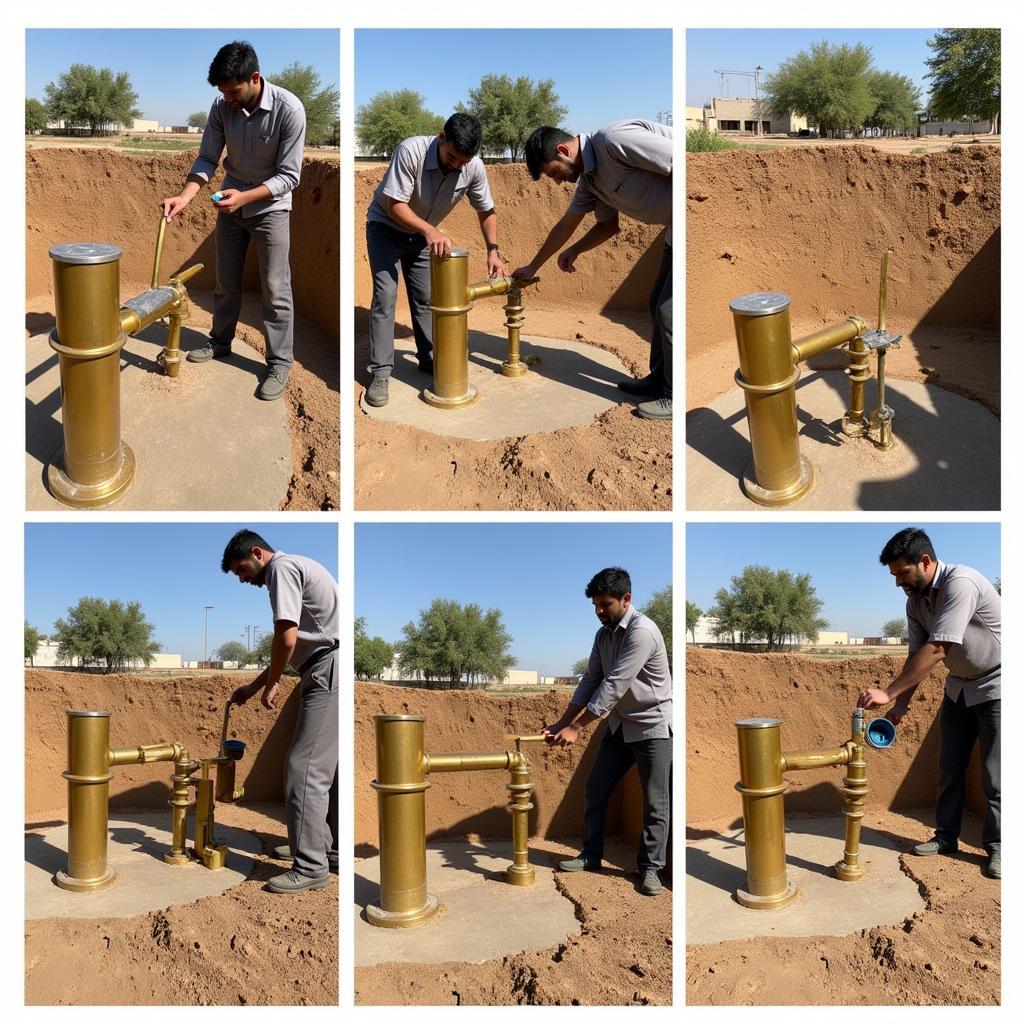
<point>103,196</point>
<point>946,954</point>
<point>246,946</point>
<point>620,462</point>
<point>813,222</point>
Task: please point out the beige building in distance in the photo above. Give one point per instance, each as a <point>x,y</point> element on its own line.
<point>741,117</point>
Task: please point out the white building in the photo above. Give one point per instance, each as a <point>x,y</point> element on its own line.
<point>46,657</point>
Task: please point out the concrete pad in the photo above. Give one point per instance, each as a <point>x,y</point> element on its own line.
<point>947,455</point>
<point>144,882</point>
<point>824,905</point>
<point>571,386</point>
<point>201,440</point>
<point>481,916</point>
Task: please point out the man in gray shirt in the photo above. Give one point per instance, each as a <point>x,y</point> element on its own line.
<point>426,178</point>
<point>304,603</point>
<point>953,616</point>
<point>625,167</point>
<point>263,128</point>
<point>628,683</point>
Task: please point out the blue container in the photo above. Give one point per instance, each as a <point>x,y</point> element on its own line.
<point>234,749</point>
<point>880,733</point>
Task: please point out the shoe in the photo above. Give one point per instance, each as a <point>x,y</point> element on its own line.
<point>579,864</point>
<point>994,867</point>
<point>292,881</point>
<point>282,852</point>
<point>332,867</point>
<point>377,392</point>
<point>427,365</point>
<point>934,846</point>
<point>272,386</point>
<point>659,409</point>
<point>645,386</point>
<point>211,350</point>
<point>650,883</point>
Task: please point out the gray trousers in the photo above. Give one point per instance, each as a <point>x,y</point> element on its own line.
<point>660,306</point>
<point>270,231</point>
<point>653,760</point>
<point>311,772</point>
<point>391,251</point>
<point>959,727</point>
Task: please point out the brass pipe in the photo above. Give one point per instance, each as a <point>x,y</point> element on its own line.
<point>883,414</point>
<point>470,762</point>
<point>159,252</point>
<point>828,338</point>
<point>520,788</point>
<point>855,791</point>
<point>802,760</point>
<point>147,754</point>
<point>224,727</point>
<point>179,804</point>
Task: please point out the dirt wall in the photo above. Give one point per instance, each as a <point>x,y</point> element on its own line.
<point>814,699</point>
<point>144,710</point>
<point>99,195</point>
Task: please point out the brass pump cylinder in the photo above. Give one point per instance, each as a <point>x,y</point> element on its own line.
<point>94,466</point>
<point>401,786</point>
<point>450,303</point>
<point>778,474</point>
<point>88,776</point>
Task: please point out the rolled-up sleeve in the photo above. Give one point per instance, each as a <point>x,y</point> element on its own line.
<point>289,154</point>
<point>959,603</point>
<point>400,180</point>
<point>637,648</point>
<point>212,146</point>
<point>285,591</point>
<point>588,683</point>
<point>479,191</point>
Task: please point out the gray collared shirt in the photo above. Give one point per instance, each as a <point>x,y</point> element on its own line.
<point>264,147</point>
<point>304,592</point>
<point>414,176</point>
<point>628,680</point>
<point>963,609</point>
<point>627,168</point>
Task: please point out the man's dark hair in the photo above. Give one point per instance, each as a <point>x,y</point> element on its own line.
<point>912,544</point>
<point>240,546</point>
<point>612,581</point>
<point>235,62</point>
<point>540,148</point>
<point>463,131</point>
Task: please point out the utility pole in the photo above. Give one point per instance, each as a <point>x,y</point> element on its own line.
<point>206,633</point>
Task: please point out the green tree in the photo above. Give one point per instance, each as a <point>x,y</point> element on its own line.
<point>105,633</point>
<point>826,84</point>
<point>510,109</point>
<point>232,650</point>
<point>762,604</point>
<point>896,627</point>
<point>456,645</point>
<point>84,95</point>
<point>659,608</point>
<point>35,116</point>
<point>580,666</point>
<point>896,101</point>
<point>198,119</point>
<point>373,654</point>
<point>965,73</point>
<point>261,652</point>
<point>389,117</point>
<point>32,640</point>
<point>693,614</point>
<point>320,101</point>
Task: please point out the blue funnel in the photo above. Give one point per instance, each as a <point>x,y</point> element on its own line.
<point>880,733</point>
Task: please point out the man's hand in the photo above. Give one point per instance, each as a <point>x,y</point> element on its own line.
<point>231,200</point>
<point>269,697</point>
<point>174,205</point>
<point>872,697</point>
<point>563,737</point>
<point>495,266</point>
<point>438,243</point>
<point>242,694</point>
<point>525,273</point>
<point>567,260</point>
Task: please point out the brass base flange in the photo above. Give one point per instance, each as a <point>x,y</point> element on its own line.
<point>781,496</point>
<point>853,428</point>
<point>65,881</point>
<point>520,876</point>
<point>748,899</point>
<point>438,402</point>
<point>78,495</point>
<point>519,369</point>
<point>848,872</point>
<point>177,859</point>
<point>401,919</point>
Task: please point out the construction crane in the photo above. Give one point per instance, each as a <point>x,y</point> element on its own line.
<point>756,76</point>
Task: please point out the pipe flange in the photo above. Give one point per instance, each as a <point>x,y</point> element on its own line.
<point>767,389</point>
<point>783,899</point>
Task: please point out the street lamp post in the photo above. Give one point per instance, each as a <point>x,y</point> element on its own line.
<point>206,633</point>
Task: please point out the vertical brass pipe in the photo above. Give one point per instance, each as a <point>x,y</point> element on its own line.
<point>520,788</point>
<point>88,776</point>
<point>94,466</point>
<point>401,786</point>
<point>514,320</point>
<point>179,804</point>
<point>449,305</point>
<point>778,474</point>
<point>855,791</point>
<point>158,253</point>
<point>761,786</point>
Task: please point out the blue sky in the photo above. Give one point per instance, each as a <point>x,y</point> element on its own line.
<point>901,50</point>
<point>534,572</point>
<point>601,75</point>
<point>168,67</point>
<point>173,569</point>
<point>842,559</point>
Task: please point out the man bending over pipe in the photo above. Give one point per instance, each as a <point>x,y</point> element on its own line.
<point>304,602</point>
<point>953,616</point>
<point>627,682</point>
<point>264,128</point>
<point>424,182</point>
<point>625,167</point>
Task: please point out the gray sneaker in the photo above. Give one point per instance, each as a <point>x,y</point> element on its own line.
<point>272,386</point>
<point>934,846</point>
<point>211,350</point>
<point>579,864</point>
<point>994,867</point>
<point>282,852</point>
<point>650,883</point>
<point>659,409</point>
<point>377,392</point>
<point>292,881</point>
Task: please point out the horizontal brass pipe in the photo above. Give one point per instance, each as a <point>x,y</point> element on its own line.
<point>145,754</point>
<point>486,289</point>
<point>799,760</point>
<point>828,338</point>
<point>471,762</point>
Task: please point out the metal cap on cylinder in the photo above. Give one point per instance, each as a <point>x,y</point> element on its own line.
<point>85,253</point>
<point>760,303</point>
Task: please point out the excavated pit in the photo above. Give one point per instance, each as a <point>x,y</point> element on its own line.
<point>123,209</point>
